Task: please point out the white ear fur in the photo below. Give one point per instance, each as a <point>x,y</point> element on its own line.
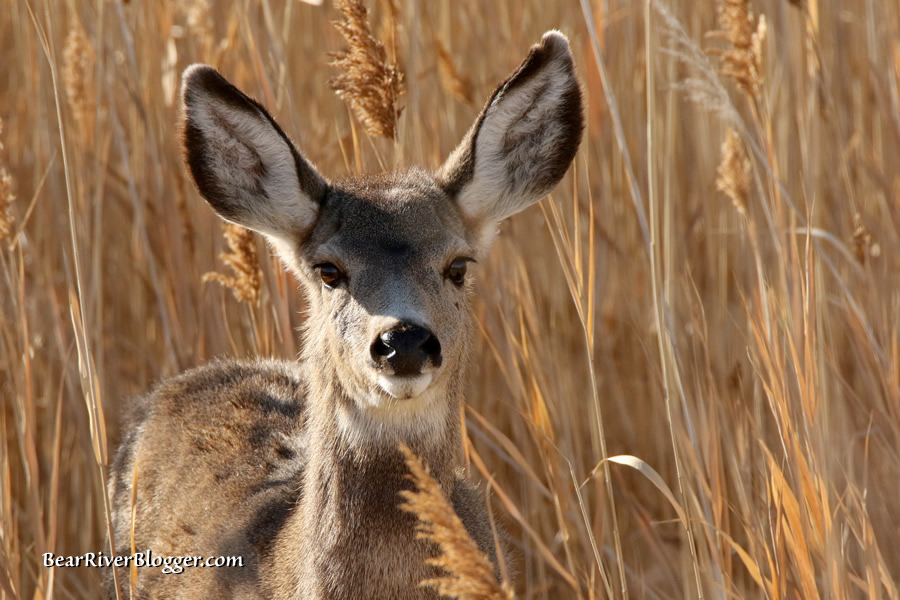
<point>242,162</point>
<point>522,142</point>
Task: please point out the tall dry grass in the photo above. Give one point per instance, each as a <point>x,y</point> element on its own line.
<point>678,391</point>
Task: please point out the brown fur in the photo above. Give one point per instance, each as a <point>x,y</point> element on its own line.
<point>227,471</point>
<point>295,466</point>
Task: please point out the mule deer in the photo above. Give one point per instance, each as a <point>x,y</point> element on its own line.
<point>295,466</point>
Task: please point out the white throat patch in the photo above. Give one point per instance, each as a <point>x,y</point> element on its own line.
<point>400,408</point>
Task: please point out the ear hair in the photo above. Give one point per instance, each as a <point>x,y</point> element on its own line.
<point>242,162</point>
<point>523,141</point>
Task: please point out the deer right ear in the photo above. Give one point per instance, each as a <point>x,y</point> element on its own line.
<point>523,141</point>
<point>242,162</point>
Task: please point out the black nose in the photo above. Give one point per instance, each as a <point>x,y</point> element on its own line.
<point>406,348</point>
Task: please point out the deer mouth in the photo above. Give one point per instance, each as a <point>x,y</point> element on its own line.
<point>405,387</point>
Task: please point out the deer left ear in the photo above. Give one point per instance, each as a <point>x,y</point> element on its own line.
<point>523,141</point>
<point>242,162</point>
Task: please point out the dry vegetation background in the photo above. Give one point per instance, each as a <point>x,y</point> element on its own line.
<point>728,314</point>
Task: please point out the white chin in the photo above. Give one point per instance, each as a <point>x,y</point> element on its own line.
<point>404,388</point>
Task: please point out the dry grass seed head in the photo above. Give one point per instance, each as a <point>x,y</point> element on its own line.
<point>704,88</point>
<point>7,198</point>
<point>78,70</point>
<point>370,83</point>
<point>863,246</point>
<point>469,573</point>
<point>734,171</point>
<point>7,219</point>
<point>243,260</point>
<point>741,61</point>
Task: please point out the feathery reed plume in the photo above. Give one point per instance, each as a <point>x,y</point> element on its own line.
<point>704,88</point>
<point>7,219</point>
<point>863,246</point>
<point>451,80</point>
<point>78,70</point>
<point>734,171</point>
<point>469,573</point>
<point>368,81</point>
<point>742,60</point>
<point>243,260</point>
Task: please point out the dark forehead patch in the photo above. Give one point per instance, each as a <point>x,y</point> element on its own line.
<point>396,247</point>
<point>397,214</point>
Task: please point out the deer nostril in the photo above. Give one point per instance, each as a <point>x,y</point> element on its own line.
<point>406,349</point>
<point>432,349</point>
<point>381,350</point>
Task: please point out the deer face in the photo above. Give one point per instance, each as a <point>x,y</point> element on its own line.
<point>385,269</point>
<point>384,259</point>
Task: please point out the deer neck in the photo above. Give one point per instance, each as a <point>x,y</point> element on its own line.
<point>348,530</point>
<point>361,450</point>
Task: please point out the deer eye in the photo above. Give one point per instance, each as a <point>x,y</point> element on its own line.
<point>456,271</point>
<point>330,274</point>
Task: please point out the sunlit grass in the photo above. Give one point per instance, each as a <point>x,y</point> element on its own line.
<point>729,335</point>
